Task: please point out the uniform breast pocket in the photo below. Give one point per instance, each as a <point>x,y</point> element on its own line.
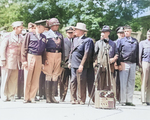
<point>80,49</point>
<point>126,48</point>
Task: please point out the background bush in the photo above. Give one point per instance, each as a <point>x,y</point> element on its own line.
<point>138,81</point>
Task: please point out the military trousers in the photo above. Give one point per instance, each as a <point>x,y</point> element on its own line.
<point>9,81</point>
<point>31,76</point>
<point>127,82</point>
<point>145,87</point>
<point>20,91</point>
<point>53,68</point>
<point>42,85</point>
<point>117,79</point>
<point>79,81</point>
<point>66,73</point>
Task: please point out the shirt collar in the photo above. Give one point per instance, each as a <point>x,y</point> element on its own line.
<point>128,38</point>
<point>13,32</point>
<point>81,36</point>
<point>147,40</point>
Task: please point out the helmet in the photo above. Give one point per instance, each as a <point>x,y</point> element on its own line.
<point>52,22</point>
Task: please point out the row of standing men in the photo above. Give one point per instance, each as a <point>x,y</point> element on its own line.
<point>45,49</point>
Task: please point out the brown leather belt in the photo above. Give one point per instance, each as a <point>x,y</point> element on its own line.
<point>53,50</point>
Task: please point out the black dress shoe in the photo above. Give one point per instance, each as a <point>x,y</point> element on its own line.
<point>147,103</point>
<point>144,103</point>
<point>61,100</point>
<point>123,104</point>
<point>36,99</point>
<point>40,98</point>
<point>129,104</point>
<point>26,101</point>
<point>33,101</point>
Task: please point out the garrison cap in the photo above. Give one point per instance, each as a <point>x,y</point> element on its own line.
<point>17,23</point>
<point>106,28</point>
<point>41,22</point>
<point>120,29</point>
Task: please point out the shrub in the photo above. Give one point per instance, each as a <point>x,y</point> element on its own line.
<point>138,81</point>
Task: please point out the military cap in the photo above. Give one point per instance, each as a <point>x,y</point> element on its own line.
<point>52,22</point>
<point>127,27</point>
<point>106,28</point>
<point>30,25</point>
<point>41,22</point>
<point>70,29</point>
<point>120,29</point>
<point>17,23</point>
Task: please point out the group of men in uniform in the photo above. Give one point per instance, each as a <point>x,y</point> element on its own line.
<point>47,57</point>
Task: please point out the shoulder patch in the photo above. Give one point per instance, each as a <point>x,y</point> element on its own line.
<point>44,40</point>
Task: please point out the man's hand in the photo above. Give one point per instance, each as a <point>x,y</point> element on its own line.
<point>25,64</point>
<point>115,57</point>
<point>120,68</point>
<point>42,66</point>
<point>112,60</point>
<point>80,69</point>
<point>3,62</point>
<point>69,65</point>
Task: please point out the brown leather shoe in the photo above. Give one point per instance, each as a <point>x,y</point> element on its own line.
<point>73,102</point>
<point>82,103</point>
<point>33,101</point>
<point>129,104</point>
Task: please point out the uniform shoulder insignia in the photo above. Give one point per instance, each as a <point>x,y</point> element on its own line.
<point>60,36</point>
<point>44,40</point>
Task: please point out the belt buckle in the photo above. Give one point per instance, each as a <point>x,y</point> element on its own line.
<point>56,51</point>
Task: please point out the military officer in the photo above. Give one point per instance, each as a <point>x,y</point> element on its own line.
<point>66,73</point>
<point>54,56</point>
<point>105,49</point>
<point>32,51</point>
<point>31,27</point>
<point>81,61</point>
<point>10,61</point>
<point>120,34</point>
<point>128,50</point>
<point>144,62</point>
<point>42,79</point>
<point>20,91</point>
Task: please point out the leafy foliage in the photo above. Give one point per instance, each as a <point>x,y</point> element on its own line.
<point>94,13</point>
<point>138,81</point>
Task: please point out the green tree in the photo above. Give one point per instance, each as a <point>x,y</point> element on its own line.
<point>94,13</point>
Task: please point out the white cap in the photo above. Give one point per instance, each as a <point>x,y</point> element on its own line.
<point>17,23</point>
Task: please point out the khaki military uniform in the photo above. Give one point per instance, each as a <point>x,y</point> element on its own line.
<point>11,52</point>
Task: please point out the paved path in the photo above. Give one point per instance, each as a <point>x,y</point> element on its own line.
<point>66,111</point>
